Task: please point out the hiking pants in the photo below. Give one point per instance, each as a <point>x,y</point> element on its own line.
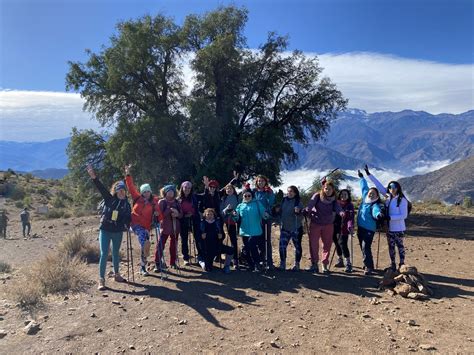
<point>366,238</point>
<point>320,232</point>
<point>104,240</point>
<point>296,237</point>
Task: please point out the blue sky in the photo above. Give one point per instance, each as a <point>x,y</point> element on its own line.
<point>384,55</point>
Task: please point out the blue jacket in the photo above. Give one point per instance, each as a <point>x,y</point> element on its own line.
<point>267,198</point>
<point>368,212</point>
<point>251,215</point>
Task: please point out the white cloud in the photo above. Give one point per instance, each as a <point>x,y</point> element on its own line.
<point>41,115</point>
<point>425,167</point>
<point>376,82</point>
<point>372,82</point>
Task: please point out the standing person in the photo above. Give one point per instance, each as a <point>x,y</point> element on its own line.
<point>343,226</point>
<point>144,214</point>
<point>115,219</point>
<point>211,234</point>
<point>169,226</point>
<point>369,213</point>
<point>397,212</point>
<point>322,209</point>
<point>291,226</point>
<point>250,213</point>
<point>191,221</point>
<point>3,224</point>
<point>265,195</point>
<point>229,202</point>
<point>25,222</point>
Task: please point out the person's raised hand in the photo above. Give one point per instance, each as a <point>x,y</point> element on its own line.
<point>127,169</point>
<point>91,171</point>
<point>360,174</point>
<point>205,181</point>
<point>366,168</point>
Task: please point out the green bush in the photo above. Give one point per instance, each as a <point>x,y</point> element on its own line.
<point>55,213</point>
<point>467,202</point>
<point>28,177</point>
<point>19,204</point>
<point>27,201</point>
<point>42,190</point>
<point>18,193</point>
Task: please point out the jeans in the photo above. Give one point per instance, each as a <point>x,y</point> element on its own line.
<point>366,238</point>
<point>26,225</point>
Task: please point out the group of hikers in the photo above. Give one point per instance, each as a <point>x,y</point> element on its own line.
<point>248,215</point>
<point>25,223</point>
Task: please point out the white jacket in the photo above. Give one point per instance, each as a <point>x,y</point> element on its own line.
<point>397,214</point>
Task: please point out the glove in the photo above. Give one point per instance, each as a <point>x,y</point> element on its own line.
<point>360,174</point>
<point>366,168</point>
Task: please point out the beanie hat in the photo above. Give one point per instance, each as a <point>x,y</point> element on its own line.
<point>186,183</point>
<point>169,188</point>
<point>120,185</point>
<point>144,188</point>
<point>213,183</point>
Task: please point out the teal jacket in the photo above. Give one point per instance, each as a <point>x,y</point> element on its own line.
<point>368,212</point>
<point>251,215</point>
<point>266,197</point>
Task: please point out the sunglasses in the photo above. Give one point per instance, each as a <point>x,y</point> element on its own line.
<point>393,186</point>
<point>247,195</point>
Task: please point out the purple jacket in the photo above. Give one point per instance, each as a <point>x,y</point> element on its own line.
<point>320,212</point>
<point>167,227</point>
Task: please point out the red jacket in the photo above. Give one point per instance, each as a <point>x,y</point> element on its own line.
<point>142,210</point>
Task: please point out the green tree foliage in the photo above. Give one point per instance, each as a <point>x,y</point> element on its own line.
<point>244,111</point>
<point>337,178</point>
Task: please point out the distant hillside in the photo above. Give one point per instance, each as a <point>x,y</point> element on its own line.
<point>50,173</point>
<point>29,156</point>
<point>396,140</point>
<point>451,183</point>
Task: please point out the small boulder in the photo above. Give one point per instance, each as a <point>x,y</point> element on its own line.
<point>32,328</point>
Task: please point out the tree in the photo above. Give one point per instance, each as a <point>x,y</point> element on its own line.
<point>244,111</point>
<point>336,177</point>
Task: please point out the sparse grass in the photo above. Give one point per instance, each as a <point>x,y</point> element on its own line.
<point>57,213</point>
<point>26,292</point>
<point>439,208</point>
<point>76,245</point>
<point>5,267</point>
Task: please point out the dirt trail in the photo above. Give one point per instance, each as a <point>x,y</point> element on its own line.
<point>248,312</point>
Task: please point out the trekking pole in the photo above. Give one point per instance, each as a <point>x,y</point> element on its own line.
<point>161,252</point>
<point>176,245</point>
<point>131,254</point>
<point>128,257</point>
<point>352,248</point>
<point>190,240</point>
<point>378,249</point>
<point>333,253</point>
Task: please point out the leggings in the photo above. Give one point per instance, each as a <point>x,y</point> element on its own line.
<point>232,230</point>
<point>396,238</point>
<point>251,250</point>
<point>340,241</point>
<point>104,240</point>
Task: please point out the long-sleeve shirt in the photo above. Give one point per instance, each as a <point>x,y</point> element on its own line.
<point>397,214</point>
<point>289,220</point>
<point>113,203</point>
<point>368,212</point>
<point>251,215</point>
<point>168,226</point>
<point>322,212</point>
<point>143,210</point>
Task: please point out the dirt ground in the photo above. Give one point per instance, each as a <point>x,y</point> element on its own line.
<point>248,312</point>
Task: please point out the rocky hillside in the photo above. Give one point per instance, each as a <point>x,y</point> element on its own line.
<point>451,183</point>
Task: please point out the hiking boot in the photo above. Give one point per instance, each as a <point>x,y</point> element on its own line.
<point>348,268</point>
<point>143,271</point>
<point>227,269</point>
<point>325,269</point>
<point>313,269</point>
<point>186,263</point>
<point>393,267</point>
<point>340,263</point>
<point>101,285</point>
<point>119,278</point>
<point>202,264</point>
<point>282,267</point>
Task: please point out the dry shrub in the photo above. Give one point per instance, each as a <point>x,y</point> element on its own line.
<point>73,244</point>
<point>58,273</point>
<point>5,267</point>
<point>55,274</point>
<point>90,253</point>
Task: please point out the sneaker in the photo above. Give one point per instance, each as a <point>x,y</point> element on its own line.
<point>143,271</point>
<point>313,269</point>
<point>174,266</point>
<point>227,269</point>
<point>101,285</point>
<point>186,263</point>
<point>368,271</point>
<point>393,267</point>
<point>118,278</point>
<point>348,268</point>
<point>156,268</point>
<point>282,267</point>
<point>340,263</point>
<point>296,267</point>
<point>325,269</point>
<point>202,264</point>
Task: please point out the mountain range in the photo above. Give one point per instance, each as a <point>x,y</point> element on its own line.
<point>392,140</point>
